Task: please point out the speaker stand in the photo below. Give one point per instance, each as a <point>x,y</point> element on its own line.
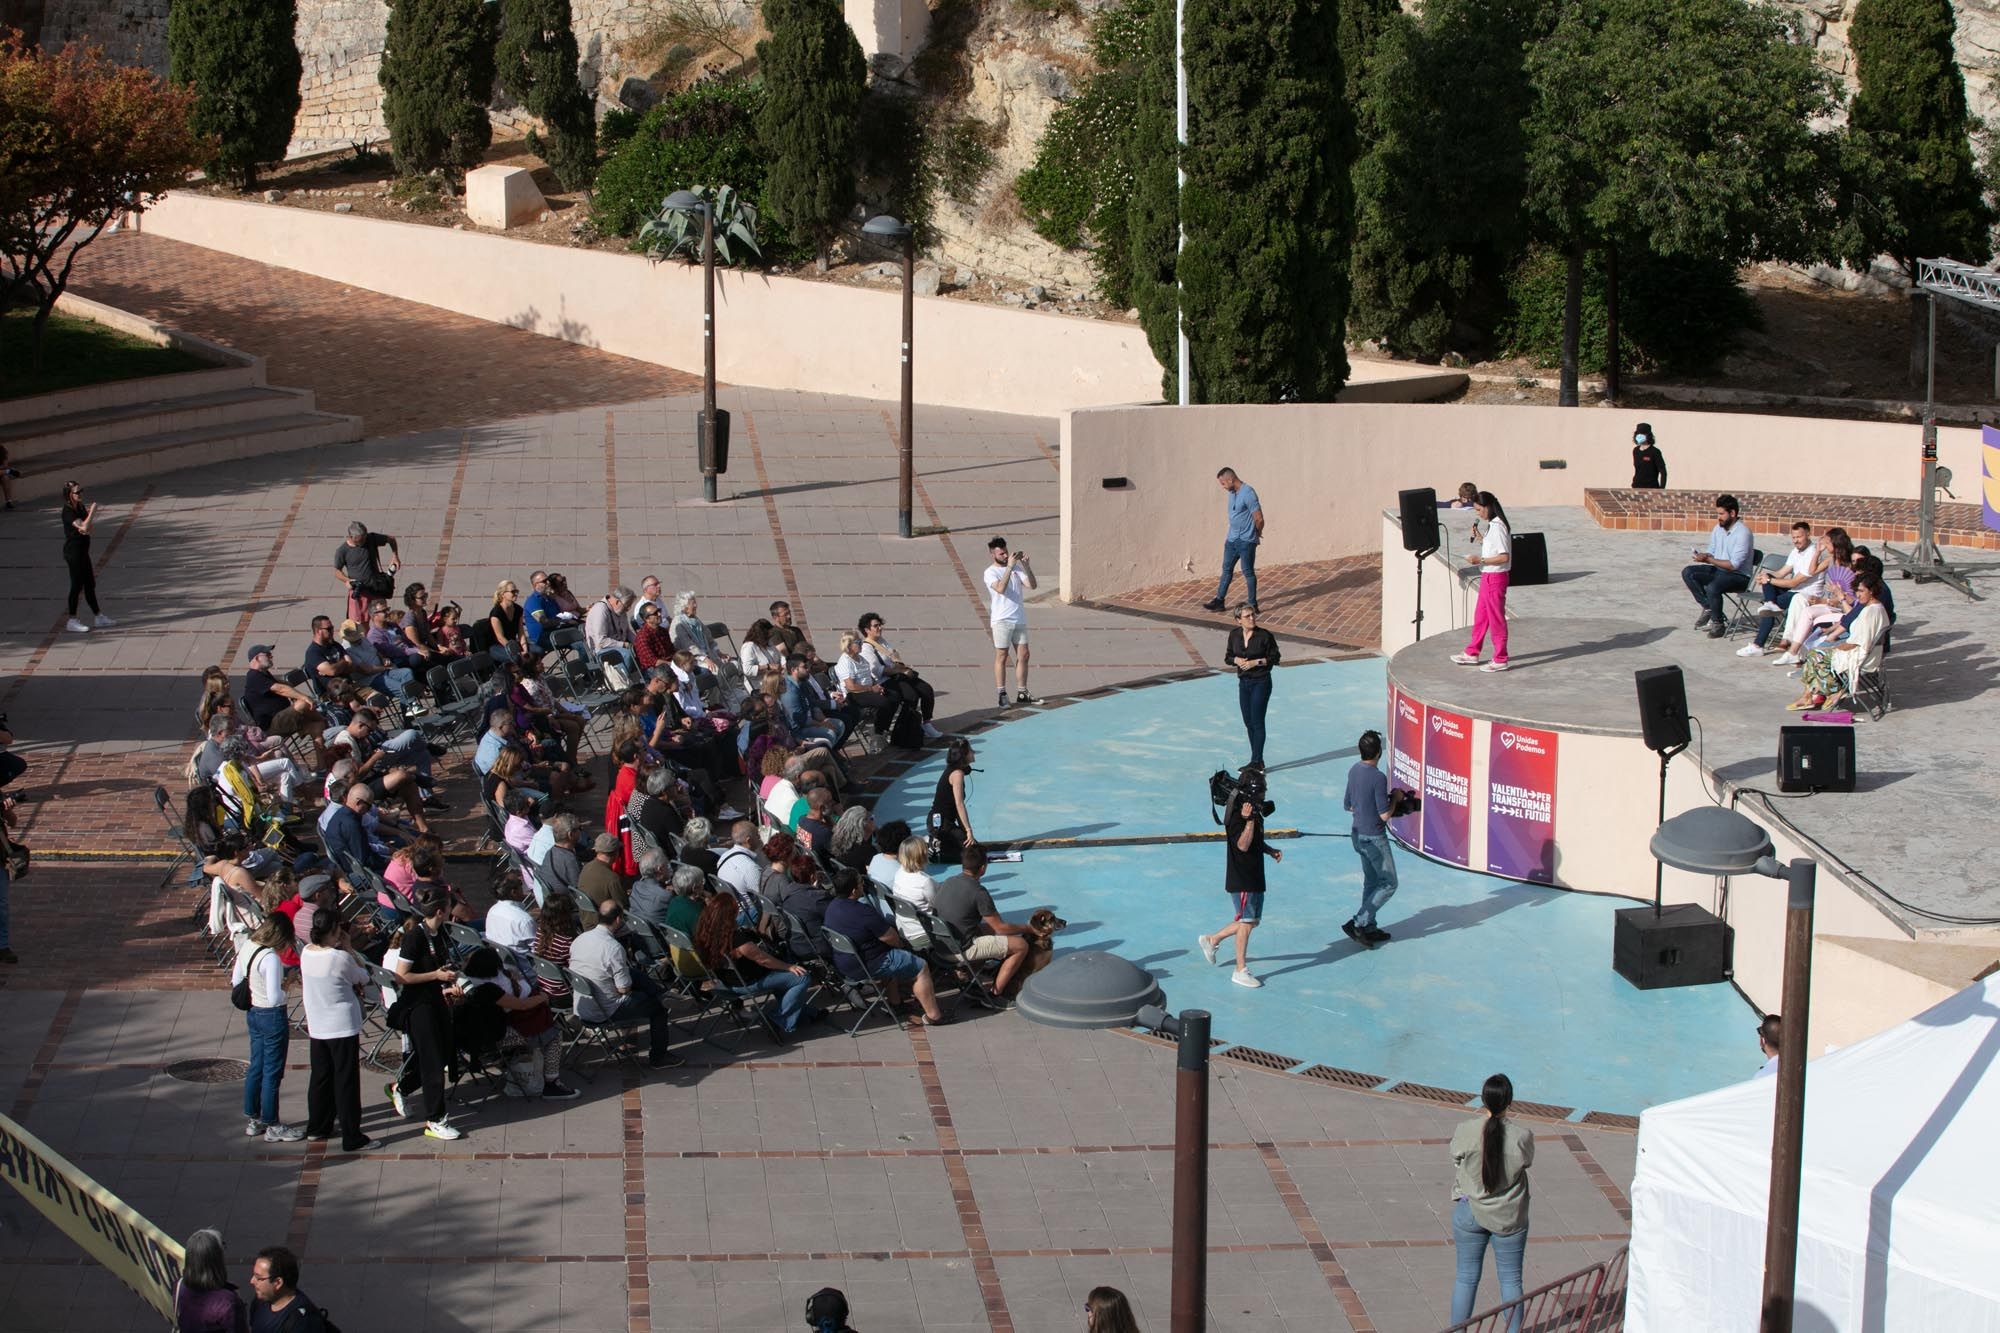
<point>1419,621</point>
<point>1659,866</point>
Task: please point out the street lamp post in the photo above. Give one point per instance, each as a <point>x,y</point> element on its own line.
<point>1101,990</point>
<point>1710,840</point>
<point>884,227</point>
<point>712,458</point>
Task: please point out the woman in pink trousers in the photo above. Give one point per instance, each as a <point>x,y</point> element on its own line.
<point>1495,558</point>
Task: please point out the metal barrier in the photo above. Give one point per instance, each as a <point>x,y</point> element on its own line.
<point>1590,1300</point>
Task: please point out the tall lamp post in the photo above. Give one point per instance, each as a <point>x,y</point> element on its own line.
<point>1710,840</point>
<point>711,427</point>
<point>885,228</point>
<point>1101,990</point>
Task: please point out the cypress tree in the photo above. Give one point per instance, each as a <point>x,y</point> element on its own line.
<point>814,79</point>
<point>241,57</point>
<point>1267,205</point>
<point>536,58</point>
<point>1909,125</point>
<point>437,77</point>
<point>1153,212</point>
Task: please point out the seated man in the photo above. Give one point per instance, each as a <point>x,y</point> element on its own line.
<point>783,631</point>
<point>650,895</point>
<point>963,903</point>
<point>606,625</point>
<point>694,845</point>
<point>1723,568</point>
<point>385,636</point>
<point>609,991</point>
<point>816,825</point>
<point>398,767</point>
<point>1802,576</point>
<point>599,878</point>
<point>808,903</point>
<point>328,663</point>
<point>886,955</point>
<point>740,866</point>
<point>277,708</point>
<point>804,715</point>
<point>341,829</point>
<point>559,870</point>
<point>370,665</point>
<point>508,924</point>
<point>649,595</point>
<point>539,614</point>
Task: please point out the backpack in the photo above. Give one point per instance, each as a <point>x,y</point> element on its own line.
<point>906,728</point>
<point>239,994</point>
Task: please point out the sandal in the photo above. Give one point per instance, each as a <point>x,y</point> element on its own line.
<point>926,1021</point>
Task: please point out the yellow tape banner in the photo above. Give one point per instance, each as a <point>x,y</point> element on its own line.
<point>138,1253</point>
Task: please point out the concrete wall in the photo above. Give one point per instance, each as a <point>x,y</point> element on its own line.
<point>1325,473</point>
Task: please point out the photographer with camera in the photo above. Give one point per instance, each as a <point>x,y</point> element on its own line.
<point>1244,877</point>
<point>1369,799</point>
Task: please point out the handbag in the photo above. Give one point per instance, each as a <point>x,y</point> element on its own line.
<point>397,1018</point>
<point>17,861</point>
<point>379,584</point>
<point>239,994</point>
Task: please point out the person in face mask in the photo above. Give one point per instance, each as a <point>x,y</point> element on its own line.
<point>1649,465</point>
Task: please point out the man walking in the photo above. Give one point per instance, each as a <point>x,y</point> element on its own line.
<point>1239,542</point>
<point>1244,883</point>
<point>1368,800</point>
<point>1009,579</point>
<point>1723,568</point>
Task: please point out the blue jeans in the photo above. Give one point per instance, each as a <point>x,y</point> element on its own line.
<point>1709,582</point>
<point>644,1002</point>
<point>1508,1251</point>
<point>270,1038</point>
<point>6,940</point>
<point>1253,696</point>
<point>1233,551</point>
<point>790,988</point>
<point>1782,598</point>
<point>1378,875</point>
<point>408,746</point>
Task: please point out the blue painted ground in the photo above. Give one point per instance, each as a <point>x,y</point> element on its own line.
<point>1483,975</point>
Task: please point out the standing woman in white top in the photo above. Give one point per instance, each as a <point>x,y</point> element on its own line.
<point>270,1034</point>
<point>328,978</point>
<point>1495,559</point>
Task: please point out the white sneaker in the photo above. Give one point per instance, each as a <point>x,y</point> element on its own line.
<point>254,1128</point>
<point>1207,949</point>
<point>1243,978</point>
<point>1749,650</point>
<point>729,812</point>
<point>1770,609</point>
<point>104,621</point>
<point>1785,659</point>
<point>442,1129</point>
<point>1465,659</point>
<point>1494,666</point>
<point>396,1100</point>
<point>933,732</point>
<point>283,1134</point>
<point>76,626</point>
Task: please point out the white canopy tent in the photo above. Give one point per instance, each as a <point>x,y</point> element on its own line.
<point>1899,1214</point>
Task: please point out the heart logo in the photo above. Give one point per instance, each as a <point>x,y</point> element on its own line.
<point>1437,722</point>
<point>1506,740</point>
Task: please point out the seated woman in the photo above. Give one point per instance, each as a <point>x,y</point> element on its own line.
<point>506,1014</point>
<point>860,680</point>
<point>560,925</point>
<point>900,683</point>
<point>913,882</point>
<point>419,623</point>
<point>776,792</point>
<point>687,692</point>
<point>759,654</point>
<point>691,636</point>
<point>720,941</point>
<point>1833,599</point>
<point>1833,672</point>
<point>536,707</point>
<point>853,839</point>
<point>568,610</point>
<point>695,837</point>
<point>508,621</point>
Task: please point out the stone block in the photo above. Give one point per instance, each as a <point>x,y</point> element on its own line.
<point>502,197</point>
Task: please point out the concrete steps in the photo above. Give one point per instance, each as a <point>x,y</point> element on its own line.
<point>174,450</point>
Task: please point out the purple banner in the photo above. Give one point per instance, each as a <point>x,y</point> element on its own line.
<point>1406,760</point>
<point>1521,803</point>
<point>1447,785</point>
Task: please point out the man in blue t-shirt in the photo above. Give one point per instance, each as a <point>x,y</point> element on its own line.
<point>1246,528</point>
<point>1368,800</point>
<point>539,612</point>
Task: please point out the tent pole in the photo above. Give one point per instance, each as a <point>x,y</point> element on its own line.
<point>1788,1129</point>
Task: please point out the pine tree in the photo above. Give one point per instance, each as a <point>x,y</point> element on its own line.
<point>536,58</point>
<point>1268,210</point>
<point>437,77</point>
<point>814,77</point>
<point>241,57</point>
<point>1910,156</point>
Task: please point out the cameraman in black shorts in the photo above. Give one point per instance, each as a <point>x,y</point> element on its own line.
<point>1244,877</point>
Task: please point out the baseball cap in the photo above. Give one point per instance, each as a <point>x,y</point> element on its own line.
<point>257,648</point>
<point>261,863</point>
<point>312,884</point>
<point>608,844</point>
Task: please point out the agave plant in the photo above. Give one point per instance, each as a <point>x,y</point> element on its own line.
<point>677,230</point>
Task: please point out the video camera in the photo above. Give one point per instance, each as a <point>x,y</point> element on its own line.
<point>1225,793</point>
<point>1403,801</point>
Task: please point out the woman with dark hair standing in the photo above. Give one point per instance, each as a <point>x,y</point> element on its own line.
<point>76,520</point>
<point>205,1300</point>
<point>1649,465</point>
<point>259,960</point>
<point>1490,1155</point>
<point>423,969</point>
<point>951,820</point>
<point>1495,558</point>
<point>1253,652</point>
<point>1106,1310</point>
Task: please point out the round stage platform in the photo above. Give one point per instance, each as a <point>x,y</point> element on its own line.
<point>1569,675</point>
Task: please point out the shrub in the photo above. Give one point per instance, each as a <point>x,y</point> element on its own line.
<point>536,60</point>
<point>243,64</point>
<point>616,127</point>
<point>889,155</point>
<point>1676,316</point>
<point>814,77</point>
<point>437,77</point>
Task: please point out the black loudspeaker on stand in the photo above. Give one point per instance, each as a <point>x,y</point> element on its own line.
<point>1419,512</point>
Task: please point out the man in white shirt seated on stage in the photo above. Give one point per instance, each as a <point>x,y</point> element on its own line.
<point>1804,574</point>
<point>1723,568</point>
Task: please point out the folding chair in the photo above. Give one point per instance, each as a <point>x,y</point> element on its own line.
<point>709,993</point>
<point>464,939</point>
<point>185,852</point>
<point>867,994</point>
<point>975,979</point>
<point>453,715</point>
<point>1739,609</point>
<point>604,1036</point>
<point>912,921</point>
<point>1871,689</point>
<point>375,1011</point>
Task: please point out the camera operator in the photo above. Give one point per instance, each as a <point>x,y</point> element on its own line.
<point>1244,876</point>
<point>1369,800</point>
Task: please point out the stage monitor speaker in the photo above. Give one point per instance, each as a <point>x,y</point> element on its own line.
<point>1663,708</point>
<point>1815,758</point>
<point>1684,945</point>
<point>1420,519</point>
<point>1530,562</point>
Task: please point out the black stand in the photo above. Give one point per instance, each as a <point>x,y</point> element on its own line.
<point>1419,621</point>
<point>1659,866</point>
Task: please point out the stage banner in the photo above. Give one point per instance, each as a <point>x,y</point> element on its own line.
<point>1521,803</point>
<point>1406,760</point>
<point>1447,785</point>
<point>138,1253</point>
<point>1989,480</point>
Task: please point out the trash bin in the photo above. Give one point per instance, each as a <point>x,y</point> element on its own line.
<point>714,447</point>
